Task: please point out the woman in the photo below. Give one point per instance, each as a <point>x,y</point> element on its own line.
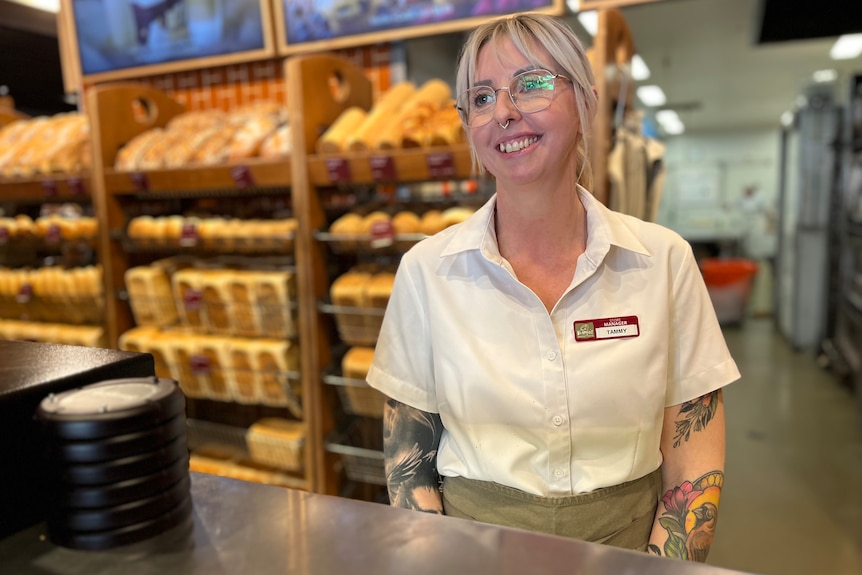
<point>555,365</point>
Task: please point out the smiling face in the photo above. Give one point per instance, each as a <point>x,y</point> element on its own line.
<point>534,147</point>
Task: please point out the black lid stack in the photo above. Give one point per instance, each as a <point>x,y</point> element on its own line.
<point>119,462</point>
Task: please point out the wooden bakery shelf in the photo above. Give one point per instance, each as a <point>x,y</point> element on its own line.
<point>407,165</point>
<point>254,176</point>
<point>47,188</point>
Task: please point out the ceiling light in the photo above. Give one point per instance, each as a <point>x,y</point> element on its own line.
<point>674,129</point>
<point>639,68</point>
<point>670,122</point>
<point>46,5</point>
<point>651,96</point>
<point>667,116</point>
<point>787,119</point>
<point>847,47</point>
<point>825,75</point>
<point>590,21</point>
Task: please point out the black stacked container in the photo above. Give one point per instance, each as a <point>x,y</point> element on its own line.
<point>118,461</point>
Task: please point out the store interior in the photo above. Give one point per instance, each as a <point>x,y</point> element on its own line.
<point>761,164</point>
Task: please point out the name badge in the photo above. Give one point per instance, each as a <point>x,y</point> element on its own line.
<point>607,328</point>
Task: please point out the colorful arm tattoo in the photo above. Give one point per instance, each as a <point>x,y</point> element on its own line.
<point>695,415</point>
<point>410,441</point>
<point>689,515</point>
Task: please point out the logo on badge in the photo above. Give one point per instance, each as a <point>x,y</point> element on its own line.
<point>585,330</point>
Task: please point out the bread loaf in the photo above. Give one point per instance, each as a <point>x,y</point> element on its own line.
<point>150,296</point>
<point>213,364</point>
<point>188,295</point>
<point>347,124</point>
<point>382,113</point>
<point>356,362</point>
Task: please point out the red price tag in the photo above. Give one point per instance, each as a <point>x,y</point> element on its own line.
<point>242,177</point>
<point>25,294</point>
<point>53,234</point>
<point>200,364</point>
<point>189,235</point>
<point>440,165</point>
<point>338,170</point>
<point>192,299</point>
<point>382,168</point>
<point>140,181</point>
<point>76,186</point>
<point>50,188</point>
<point>382,234</point>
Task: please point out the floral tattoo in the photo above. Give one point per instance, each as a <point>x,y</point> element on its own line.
<point>695,415</point>
<point>689,517</point>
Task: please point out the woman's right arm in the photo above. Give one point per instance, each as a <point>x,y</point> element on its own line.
<point>410,441</point>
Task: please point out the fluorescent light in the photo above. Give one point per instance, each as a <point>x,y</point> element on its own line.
<point>847,47</point>
<point>590,21</point>
<point>825,76</point>
<point>667,116</point>
<point>651,96</point>
<point>46,5</point>
<point>639,68</point>
<point>674,129</point>
<point>670,122</point>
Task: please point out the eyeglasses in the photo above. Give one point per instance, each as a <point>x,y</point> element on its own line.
<point>530,92</point>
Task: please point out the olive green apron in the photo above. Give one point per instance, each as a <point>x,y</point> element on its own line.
<point>621,515</point>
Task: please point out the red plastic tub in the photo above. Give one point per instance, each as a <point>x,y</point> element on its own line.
<point>729,282</point>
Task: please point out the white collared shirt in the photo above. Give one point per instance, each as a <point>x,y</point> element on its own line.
<point>523,402</point>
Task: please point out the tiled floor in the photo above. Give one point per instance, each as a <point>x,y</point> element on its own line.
<point>792,500</point>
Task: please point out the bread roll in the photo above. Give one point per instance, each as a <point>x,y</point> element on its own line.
<point>405,222</point>
<point>432,222</point>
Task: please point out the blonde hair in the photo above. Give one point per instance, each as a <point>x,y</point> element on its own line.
<point>526,32</point>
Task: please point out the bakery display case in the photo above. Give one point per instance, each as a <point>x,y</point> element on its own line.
<point>374,184</point>
<point>200,270</point>
<point>50,274</point>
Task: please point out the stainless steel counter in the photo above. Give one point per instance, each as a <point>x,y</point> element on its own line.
<point>246,529</point>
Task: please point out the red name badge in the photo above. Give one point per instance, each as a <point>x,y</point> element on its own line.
<point>607,328</point>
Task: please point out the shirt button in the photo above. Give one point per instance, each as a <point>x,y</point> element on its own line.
<point>558,420</point>
<point>552,356</point>
<point>559,473</point>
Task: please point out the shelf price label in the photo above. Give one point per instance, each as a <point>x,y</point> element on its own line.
<point>382,168</point>
<point>188,235</point>
<point>25,294</point>
<point>338,170</point>
<point>76,186</point>
<point>50,188</point>
<point>200,364</point>
<point>242,177</point>
<point>192,299</point>
<point>140,181</point>
<point>441,165</point>
<point>382,234</point>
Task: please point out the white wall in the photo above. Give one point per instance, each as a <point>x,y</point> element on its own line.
<point>706,176</point>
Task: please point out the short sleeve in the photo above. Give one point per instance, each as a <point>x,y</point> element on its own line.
<point>700,360</point>
<point>402,368</point>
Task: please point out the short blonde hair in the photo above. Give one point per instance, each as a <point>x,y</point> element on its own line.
<point>526,31</point>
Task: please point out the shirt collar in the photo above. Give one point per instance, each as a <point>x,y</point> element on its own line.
<point>605,228</point>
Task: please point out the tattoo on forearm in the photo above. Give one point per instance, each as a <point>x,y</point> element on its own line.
<point>689,515</point>
<point>695,415</point>
<point>410,441</point>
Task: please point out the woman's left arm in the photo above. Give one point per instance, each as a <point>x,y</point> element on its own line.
<point>693,446</point>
